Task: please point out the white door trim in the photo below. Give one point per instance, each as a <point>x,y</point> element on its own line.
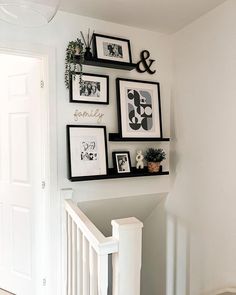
<point>49,283</point>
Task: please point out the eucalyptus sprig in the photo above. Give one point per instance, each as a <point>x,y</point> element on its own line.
<point>155,155</point>
<point>74,59</point>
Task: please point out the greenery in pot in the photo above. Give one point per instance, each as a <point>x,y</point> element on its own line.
<point>72,64</point>
<point>155,155</point>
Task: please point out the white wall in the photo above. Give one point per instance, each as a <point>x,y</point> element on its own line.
<point>55,36</point>
<point>204,145</point>
<point>154,252</point>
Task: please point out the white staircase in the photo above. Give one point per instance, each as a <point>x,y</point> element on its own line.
<point>88,250</point>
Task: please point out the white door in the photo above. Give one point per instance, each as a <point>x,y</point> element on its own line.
<point>20,172</point>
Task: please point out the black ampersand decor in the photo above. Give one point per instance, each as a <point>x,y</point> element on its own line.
<point>144,55</point>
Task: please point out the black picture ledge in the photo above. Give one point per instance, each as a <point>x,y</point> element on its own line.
<point>98,62</point>
<point>117,137</point>
<point>112,174</point>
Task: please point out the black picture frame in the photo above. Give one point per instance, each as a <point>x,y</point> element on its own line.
<point>118,166</point>
<point>71,171</point>
<point>116,58</point>
<point>122,109</point>
<point>75,90</point>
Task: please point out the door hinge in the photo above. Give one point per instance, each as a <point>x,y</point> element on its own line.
<point>43,184</point>
<point>44,282</point>
<point>42,84</point>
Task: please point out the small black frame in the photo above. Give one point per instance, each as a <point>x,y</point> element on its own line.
<point>95,47</point>
<point>86,177</point>
<point>115,164</point>
<point>91,100</point>
<point>119,111</point>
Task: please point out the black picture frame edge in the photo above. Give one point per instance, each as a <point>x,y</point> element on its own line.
<point>87,177</point>
<point>114,153</point>
<point>119,104</point>
<point>88,102</point>
<point>114,38</point>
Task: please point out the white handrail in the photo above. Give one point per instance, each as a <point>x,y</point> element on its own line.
<point>99,242</point>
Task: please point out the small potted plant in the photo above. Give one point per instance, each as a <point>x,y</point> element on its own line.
<point>154,158</point>
<point>74,59</point>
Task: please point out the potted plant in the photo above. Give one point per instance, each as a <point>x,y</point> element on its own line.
<point>74,59</point>
<point>154,158</point>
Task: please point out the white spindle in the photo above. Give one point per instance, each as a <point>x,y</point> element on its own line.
<point>79,262</point>
<point>127,262</point>
<point>93,271</point>
<point>102,274</point>
<point>85,266</point>
<point>74,259</point>
<point>69,258</point>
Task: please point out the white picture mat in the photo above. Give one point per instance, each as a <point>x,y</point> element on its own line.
<point>155,132</point>
<point>125,48</point>
<point>76,88</point>
<point>87,168</point>
<point>128,163</point>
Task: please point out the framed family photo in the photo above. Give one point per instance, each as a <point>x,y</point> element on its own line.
<point>139,109</point>
<point>94,89</point>
<point>121,162</point>
<point>112,48</point>
<point>87,151</point>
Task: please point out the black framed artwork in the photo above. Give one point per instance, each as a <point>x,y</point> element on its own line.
<point>94,89</point>
<point>139,109</point>
<point>112,48</point>
<point>87,151</point>
<point>121,162</point>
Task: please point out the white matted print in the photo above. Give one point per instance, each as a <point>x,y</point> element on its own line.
<point>112,48</point>
<point>94,88</point>
<point>121,162</point>
<point>139,109</point>
<point>87,151</point>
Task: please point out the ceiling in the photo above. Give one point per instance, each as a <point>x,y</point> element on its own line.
<point>166,16</point>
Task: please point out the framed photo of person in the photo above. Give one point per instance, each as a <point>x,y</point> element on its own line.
<point>112,48</point>
<point>139,109</point>
<point>94,89</point>
<point>121,162</point>
<point>87,151</point>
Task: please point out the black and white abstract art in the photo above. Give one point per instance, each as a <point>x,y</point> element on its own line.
<point>139,108</point>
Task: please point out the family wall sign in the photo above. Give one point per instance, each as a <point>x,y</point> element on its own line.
<point>96,114</point>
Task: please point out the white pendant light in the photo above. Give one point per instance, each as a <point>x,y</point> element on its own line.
<point>28,13</point>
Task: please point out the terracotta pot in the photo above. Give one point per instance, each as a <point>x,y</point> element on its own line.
<point>154,167</point>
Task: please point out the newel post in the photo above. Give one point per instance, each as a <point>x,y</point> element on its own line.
<point>127,262</point>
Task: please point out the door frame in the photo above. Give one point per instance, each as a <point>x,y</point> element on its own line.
<point>48,278</point>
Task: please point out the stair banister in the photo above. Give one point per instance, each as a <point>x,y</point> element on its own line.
<point>88,250</point>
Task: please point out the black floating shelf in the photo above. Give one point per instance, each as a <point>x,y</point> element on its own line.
<point>117,137</point>
<point>112,174</point>
<point>98,62</point>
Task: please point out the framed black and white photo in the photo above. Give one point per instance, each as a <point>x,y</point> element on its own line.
<point>121,162</point>
<point>139,109</point>
<point>94,89</point>
<point>112,48</point>
<point>87,150</point>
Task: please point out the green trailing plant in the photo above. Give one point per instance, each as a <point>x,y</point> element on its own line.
<point>155,155</point>
<point>73,60</point>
